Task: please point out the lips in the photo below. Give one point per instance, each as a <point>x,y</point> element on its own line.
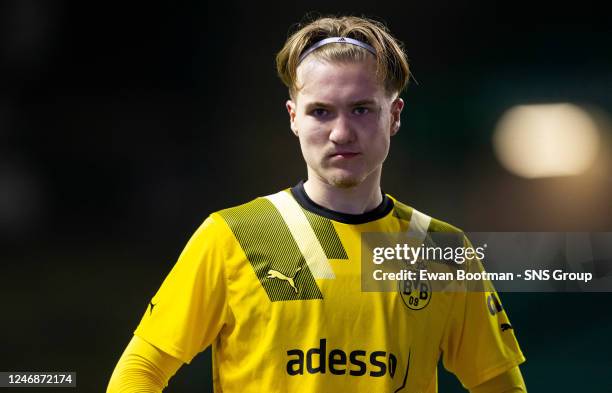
<point>344,154</point>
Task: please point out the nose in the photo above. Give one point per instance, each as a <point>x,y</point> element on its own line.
<point>341,132</point>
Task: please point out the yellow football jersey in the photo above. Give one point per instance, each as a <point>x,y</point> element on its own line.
<point>275,286</point>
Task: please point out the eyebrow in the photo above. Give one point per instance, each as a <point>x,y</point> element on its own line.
<point>365,101</point>
<point>317,104</point>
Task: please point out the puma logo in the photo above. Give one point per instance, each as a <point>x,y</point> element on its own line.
<point>276,274</point>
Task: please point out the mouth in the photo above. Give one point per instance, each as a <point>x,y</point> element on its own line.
<point>344,154</point>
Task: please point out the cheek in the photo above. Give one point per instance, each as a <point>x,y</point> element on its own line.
<point>312,133</point>
<point>310,141</point>
<point>380,146</point>
<point>311,147</point>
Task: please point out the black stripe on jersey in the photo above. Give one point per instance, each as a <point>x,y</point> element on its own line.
<point>401,211</point>
<point>328,238</point>
<point>405,375</point>
<point>404,212</point>
<point>269,246</point>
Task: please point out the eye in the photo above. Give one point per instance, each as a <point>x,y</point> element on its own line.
<point>361,110</point>
<point>319,112</point>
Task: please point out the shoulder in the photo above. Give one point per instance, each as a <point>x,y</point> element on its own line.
<point>256,213</point>
<point>220,229</point>
<point>252,211</point>
<point>410,214</point>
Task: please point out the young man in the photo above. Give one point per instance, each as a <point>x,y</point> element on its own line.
<point>274,285</point>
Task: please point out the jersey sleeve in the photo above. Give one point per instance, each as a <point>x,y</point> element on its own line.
<point>479,341</point>
<point>191,306</point>
<point>142,368</point>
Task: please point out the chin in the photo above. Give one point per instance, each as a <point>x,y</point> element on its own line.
<point>344,181</point>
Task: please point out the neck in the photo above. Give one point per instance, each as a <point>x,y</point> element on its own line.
<point>359,199</point>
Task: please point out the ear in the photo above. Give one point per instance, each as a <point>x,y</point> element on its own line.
<point>396,110</point>
<point>291,109</point>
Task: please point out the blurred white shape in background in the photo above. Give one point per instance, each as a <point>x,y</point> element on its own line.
<point>546,140</point>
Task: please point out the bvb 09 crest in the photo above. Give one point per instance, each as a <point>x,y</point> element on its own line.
<point>416,294</point>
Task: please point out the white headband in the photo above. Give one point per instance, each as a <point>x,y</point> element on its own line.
<point>342,40</point>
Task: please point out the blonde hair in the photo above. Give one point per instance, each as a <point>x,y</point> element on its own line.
<point>391,63</point>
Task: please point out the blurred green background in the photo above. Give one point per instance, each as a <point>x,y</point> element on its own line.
<point>124,125</point>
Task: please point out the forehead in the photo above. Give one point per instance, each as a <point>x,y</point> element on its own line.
<point>338,81</point>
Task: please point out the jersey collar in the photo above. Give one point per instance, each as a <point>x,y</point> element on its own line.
<point>304,200</point>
